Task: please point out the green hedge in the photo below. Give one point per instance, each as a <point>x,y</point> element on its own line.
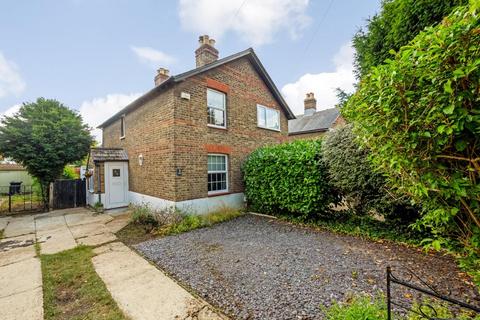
<point>419,115</point>
<point>288,179</point>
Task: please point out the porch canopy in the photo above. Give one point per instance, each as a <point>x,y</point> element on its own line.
<point>108,154</point>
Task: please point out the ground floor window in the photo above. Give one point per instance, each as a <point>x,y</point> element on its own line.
<point>217,173</point>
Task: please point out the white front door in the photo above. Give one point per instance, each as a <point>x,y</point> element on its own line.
<point>116,184</point>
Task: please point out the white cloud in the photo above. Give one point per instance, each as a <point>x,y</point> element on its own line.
<point>152,57</point>
<point>97,110</point>
<point>323,84</point>
<point>256,22</point>
<point>10,80</point>
<point>10,111</point>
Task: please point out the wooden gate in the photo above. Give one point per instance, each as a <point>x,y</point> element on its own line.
<point>69,193</point>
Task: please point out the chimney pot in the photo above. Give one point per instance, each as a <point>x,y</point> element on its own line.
<point>206,52</point>
<point>310,104</point>
<point>162,75</point>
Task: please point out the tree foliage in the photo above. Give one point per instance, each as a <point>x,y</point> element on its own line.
<point>44,136</point>
<point>419,115</point>
<point>398,22</point>
<point>351,173</point>
<point>289,179</point>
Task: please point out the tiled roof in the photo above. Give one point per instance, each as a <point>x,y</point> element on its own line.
<point>248,53</point>
<point>11,167</point>
<point>108,154</point>
<point>319,121</point>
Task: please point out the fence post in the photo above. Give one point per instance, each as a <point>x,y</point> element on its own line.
<point>389,306</point>
<point>51,194</point>
<point>9,201</point>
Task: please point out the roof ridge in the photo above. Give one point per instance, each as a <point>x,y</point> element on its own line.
<point>182,76</point>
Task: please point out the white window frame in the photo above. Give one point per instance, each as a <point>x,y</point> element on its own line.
<point>259,106</point>
<point>216,171</point>
<point>90,181</point>
<point>224,109</point>
<point>122,127</point>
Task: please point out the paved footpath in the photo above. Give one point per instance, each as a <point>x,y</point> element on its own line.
<point>141,290</point>
<point>21,295</point>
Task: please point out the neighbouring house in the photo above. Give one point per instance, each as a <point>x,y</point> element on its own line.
<point>13,172</point>
<point>313,124</point>
<point>182,144</point>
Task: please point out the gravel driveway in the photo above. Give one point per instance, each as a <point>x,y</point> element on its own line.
<point>260,268</point>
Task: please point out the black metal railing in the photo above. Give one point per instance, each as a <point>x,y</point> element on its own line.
<point>18,198</point>
<point>425,309</point>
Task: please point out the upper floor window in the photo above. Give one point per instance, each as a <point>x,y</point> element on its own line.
<point>122,127</point>
<point>216,108</point>
<point>268,118</point>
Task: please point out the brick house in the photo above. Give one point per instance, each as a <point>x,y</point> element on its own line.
<point>186,139</point>
<point>313,124</point>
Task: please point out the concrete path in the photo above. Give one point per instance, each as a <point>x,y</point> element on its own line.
<point>21,295</point>
<point>20,279</point>
<point>142,291</point>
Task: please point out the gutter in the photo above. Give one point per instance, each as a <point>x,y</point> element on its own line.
<point>296,133</point>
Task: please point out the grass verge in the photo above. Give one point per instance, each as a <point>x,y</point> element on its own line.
<point>73,290</point>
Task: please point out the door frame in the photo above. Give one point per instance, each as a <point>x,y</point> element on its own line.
<point>106,174</point>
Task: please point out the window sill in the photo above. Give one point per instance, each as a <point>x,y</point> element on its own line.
<point>218,194</point>
<point>276,130</point>
<point>216,127</point>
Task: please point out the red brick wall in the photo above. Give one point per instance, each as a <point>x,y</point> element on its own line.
<point>148,131</point>
<point>172,132</point>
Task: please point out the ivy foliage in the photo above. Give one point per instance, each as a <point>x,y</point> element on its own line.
<point>351,173</point>
<point>44,136</point>
<point>419,115</point>
<point>398,22</point>
<point>289,179</point>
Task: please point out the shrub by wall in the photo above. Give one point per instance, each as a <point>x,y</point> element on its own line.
<point>352,174</point>
<point>288,179</point>
<point>419,115</point>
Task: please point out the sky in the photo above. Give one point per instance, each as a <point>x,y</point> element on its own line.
<point>96,56</point>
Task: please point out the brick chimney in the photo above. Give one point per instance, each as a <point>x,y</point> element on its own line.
<point>206,53</point>
<point>310,104</point>
<point>162,75</point>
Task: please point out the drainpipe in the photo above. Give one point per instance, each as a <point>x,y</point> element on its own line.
<point>99,183</point>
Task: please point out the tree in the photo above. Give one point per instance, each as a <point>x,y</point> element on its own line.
<point>44,136</point>
<point>398,22</point>
<point>419,115</point>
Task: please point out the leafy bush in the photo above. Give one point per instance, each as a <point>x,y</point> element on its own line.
<point>361,307</point>
<point>151,219</point>
<point>98,207</point>
<point>69,173</point>
<point>351,173</point>
<point>171,221</point>
<point>290,179</point>
<point>419,116</point>
<point>194,221</point>
<point>143,215</point>
<point>365,308</point>
<point>398,22</point>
